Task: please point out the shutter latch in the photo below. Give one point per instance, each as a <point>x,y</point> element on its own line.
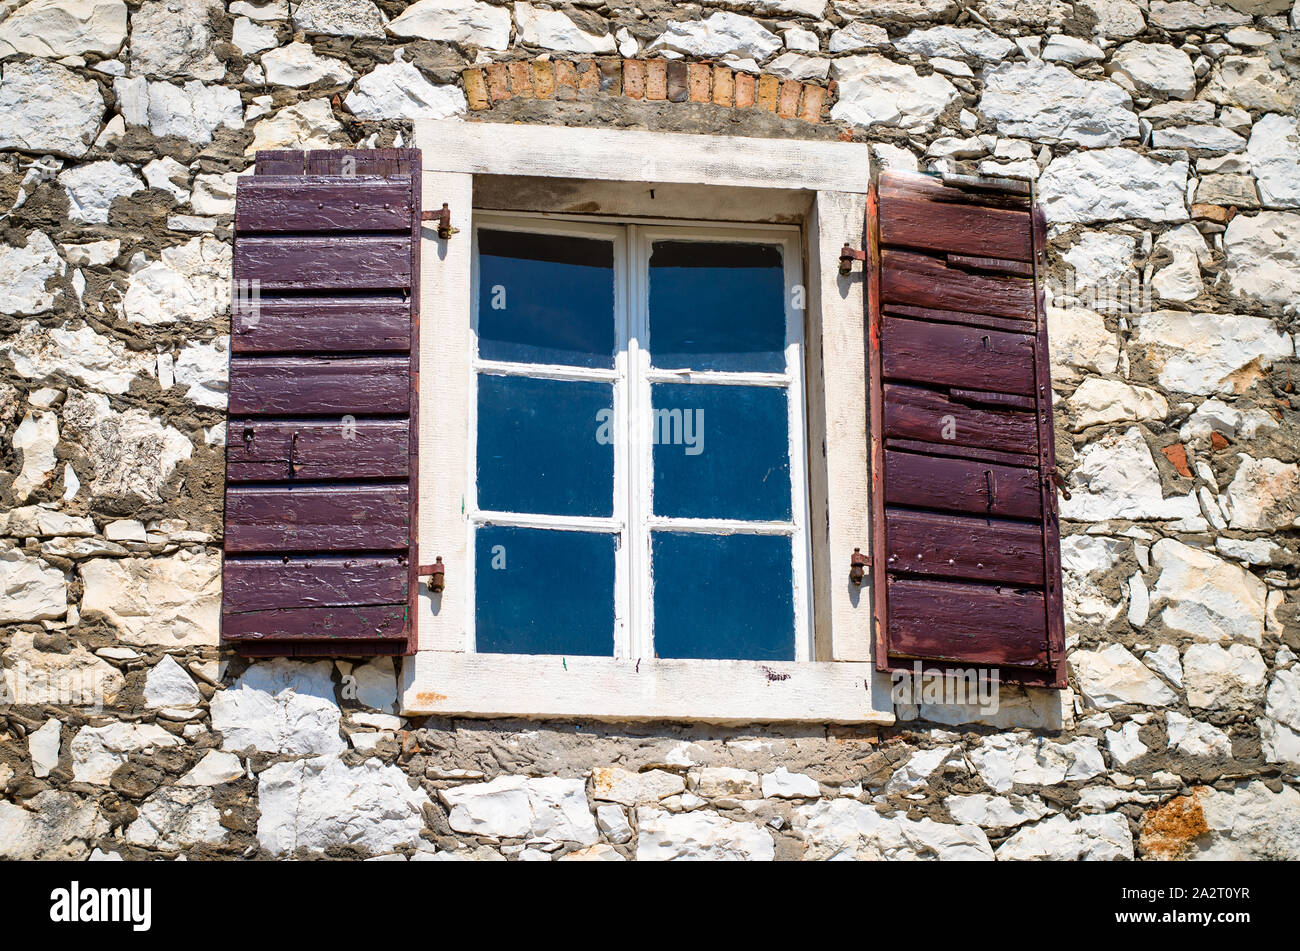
<point>443,217</point>
<point>858,565</point>
<point>847,256</point>
<point>436,572</point>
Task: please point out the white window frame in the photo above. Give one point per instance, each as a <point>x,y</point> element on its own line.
<point>632,375</point>
<point>818,186</point>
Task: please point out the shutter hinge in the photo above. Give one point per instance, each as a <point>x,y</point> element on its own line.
<point>443,217</point>
<point>848,255</point>
<point>1059,481</point>
<point>858,565</point>
<point>436,573</point>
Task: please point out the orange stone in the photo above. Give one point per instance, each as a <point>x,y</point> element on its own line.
<point>476,90</point>
<point>724,86</point>
<point>768,88</point>
<point>544,79</point>
<point>1177,456</point>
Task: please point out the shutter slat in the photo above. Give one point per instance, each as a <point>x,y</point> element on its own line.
<point>311,449</point>
<point>316,263</point>
<point>322,325</point>
<point>307,386</point>
<point>964,506</point>
<point>924,281</point>
<point>959,546</point>
<point>287,203</point>
<point>311,518</point>
<point>951,355</point>
<point>320,460</point>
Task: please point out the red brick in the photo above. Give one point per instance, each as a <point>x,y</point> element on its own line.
<point>768,87</point>
<point>724,86</point>
<point>1218,441</point>
<point>810,110</point>
<point>634,79</point>
<point>521,79</point>
<point>544,79</point>
<point>699,85</point>
<point>498,79</point>
<point>565,74</point>
<point>1177,457</point>
<point>656,79</point>
<point>588,76</point>
<point>744,90</point>
<point>787,103</point>
<point>476,90</point>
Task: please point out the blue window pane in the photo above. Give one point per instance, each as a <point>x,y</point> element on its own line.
<point>721,451</point>
<point>545,298</point>
<point>543,592</point>
<point>723,596</point>
<point>544,446</point>
<point>717,306</point>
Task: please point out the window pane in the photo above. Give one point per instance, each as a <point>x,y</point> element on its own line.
<point>544,446</point>
<point>545,298</point>
<point>717,306</point>
<point>543,592</point>
<point>720,451</point>
<point>723,596</point>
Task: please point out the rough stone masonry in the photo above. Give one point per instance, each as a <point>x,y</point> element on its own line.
<point>1163,137</point>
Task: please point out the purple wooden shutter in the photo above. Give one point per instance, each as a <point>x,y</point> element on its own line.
<point>967,566</point>
<point>321,467</point>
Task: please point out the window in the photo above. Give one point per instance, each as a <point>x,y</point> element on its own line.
<point>637,485</point>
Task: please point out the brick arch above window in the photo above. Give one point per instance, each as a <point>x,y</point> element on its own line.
<point>652,79</point>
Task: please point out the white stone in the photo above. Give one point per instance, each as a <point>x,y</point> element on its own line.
<point>468,22</point>
<point>995,812</point>
<point>613,823</point>
<point>400,91</point>
<point>36,521</point>
<point>1037,100</point>
<point>1252,83</point>
<point>280,706</point>
<point>1250,823</point>
<point>1274,151</point>
<point>874,90</point>
<point>1209,353</point>
<point>1223,679</point>
<point>36,438</point>
<point>1113,677</point>
<point>43,746</point>
<point>92,188</point>
<point>193,111</point>
<point>802,68</point>
<point>298,65</point>
<point>1084,558</point>
<point>893,157</point>
<point>98,751</point>
<point>55,825</point>
<point>164,173</point>
<point>718,35</point>
<point>252,38</point>
<point>1164,660</point>
<point>316,803</point>
<point>175,818</point>
<point>1080,343</point>
<point>306,125</point>
<point>203,368</point>
<point>214,769</point>
<point>173,39</point>
<point>375,683</point>
<point>48,109</point>
<point>1264,495</point>
<point>523,807</point>
<point>1187,15</point>
<point>1207,138</point>
<point>1071,50</point>
<point>858,36</point>
<point>1104,838</point>
<point>612,784</point>
<point>1194,738</point>
<point>797,38</point>
<point>133,454</point>
<point>170,600</point>
<point>1099,401</point>
<point>917,770</point>
<point>783,784</point>
<point>1117,18</point>
<point>1113,185</point>
<point>666,836</point>
<point>1124,744</point>
<point>1264,257</point>
<point>1116,477</point>
<point>57,28</point>
<point>727,782</point>
<point>32,590</point>
<point>1139,602</point>
<point>1207,597</point>
<point>1180,279</point>
<point>1257,551</point>
<point>168,685</point>
<point>1280,732</point>
<point>214,194</point>
<point>91,254</point>
<point>1157,68</point>
<point>189,281</point>
<point>35,676</point>
<point>101,363</point>
<point>1002,760</point>
<point>959,42</point>
<point>338,18</point>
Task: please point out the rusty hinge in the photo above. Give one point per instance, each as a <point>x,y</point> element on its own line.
<point>858,565</point>
<point>1059,481</point>
<point>443,217</point>
<point>436,573</point>
<point>847,256</point>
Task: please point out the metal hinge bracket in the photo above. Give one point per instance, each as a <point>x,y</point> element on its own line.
<point>443,217</point>
<point>847,256</point>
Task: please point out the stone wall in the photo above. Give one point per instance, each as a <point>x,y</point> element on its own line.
<point>1164,141</point>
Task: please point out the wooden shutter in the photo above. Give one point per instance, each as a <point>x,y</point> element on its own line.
<point>966,561</point>
<point>321,442</point>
